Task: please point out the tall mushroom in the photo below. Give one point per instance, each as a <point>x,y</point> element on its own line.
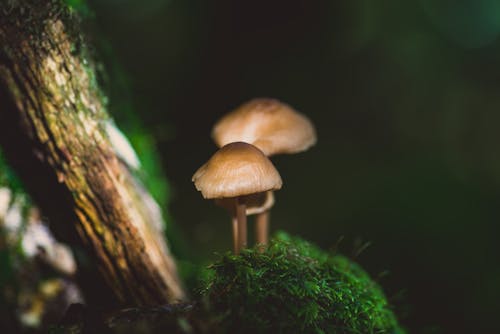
<point>235,173</point>
<point>272,126</point>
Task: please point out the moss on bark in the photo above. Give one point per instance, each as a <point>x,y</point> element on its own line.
<point>53,132</point>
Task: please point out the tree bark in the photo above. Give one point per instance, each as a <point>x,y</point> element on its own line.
<point>52,130</point>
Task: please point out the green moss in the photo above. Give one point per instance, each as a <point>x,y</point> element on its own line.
<point>296,287</point>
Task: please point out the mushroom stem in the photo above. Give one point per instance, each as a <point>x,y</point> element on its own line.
<point>242,223</point>
<point>262,229</point>
<point>234,222</point>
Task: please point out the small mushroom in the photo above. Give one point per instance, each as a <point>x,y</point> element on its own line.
<point>234,175</point>
<point>272,126</point>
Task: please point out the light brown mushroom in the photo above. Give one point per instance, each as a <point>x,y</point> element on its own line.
<point>234,174</point>
<point>272,126</point>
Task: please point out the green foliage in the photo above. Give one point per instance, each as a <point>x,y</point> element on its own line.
<point>151,169</point>
<point>8,178</point>
<point>296,287</point>
<point>11,254</point>
<point>79,6</point>
<point>118,88</point>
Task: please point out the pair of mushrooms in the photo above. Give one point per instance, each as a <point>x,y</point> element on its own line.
<point>240,176</point>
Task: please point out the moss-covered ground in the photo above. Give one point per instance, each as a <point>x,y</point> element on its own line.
<point>296,287</point>
<point>293,287</point>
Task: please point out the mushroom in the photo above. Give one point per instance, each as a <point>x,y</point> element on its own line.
<point>272,126</point>
<point>236,174</point>
<point>256,204</point>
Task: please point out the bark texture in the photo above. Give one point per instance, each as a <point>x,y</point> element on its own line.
<point>52,129</point>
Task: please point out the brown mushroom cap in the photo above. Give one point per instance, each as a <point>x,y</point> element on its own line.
<point>272,126</point>
<point>237,169</point>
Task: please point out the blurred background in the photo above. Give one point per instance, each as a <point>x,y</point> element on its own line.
<point>405,98</point>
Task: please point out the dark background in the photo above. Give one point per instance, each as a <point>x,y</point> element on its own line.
<point>405,97</point>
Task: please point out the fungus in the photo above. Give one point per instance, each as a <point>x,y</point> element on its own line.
<point>235,174</point>
<point>256,204</point>
<point>272,126</point>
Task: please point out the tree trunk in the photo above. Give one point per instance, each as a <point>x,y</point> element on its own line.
<point>52,129</point>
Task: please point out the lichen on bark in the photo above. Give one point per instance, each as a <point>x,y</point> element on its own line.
<point>52,128</point>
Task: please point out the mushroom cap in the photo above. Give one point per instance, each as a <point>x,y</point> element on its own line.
<point>271,125</point>
<point>237,169</point>
<point>255,203</point>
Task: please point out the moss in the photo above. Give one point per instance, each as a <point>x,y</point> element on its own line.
<point>30,17</point>
<point>296,287</point>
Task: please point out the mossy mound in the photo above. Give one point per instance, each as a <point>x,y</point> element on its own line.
<point>293,287</point>
<point>296,287</point>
